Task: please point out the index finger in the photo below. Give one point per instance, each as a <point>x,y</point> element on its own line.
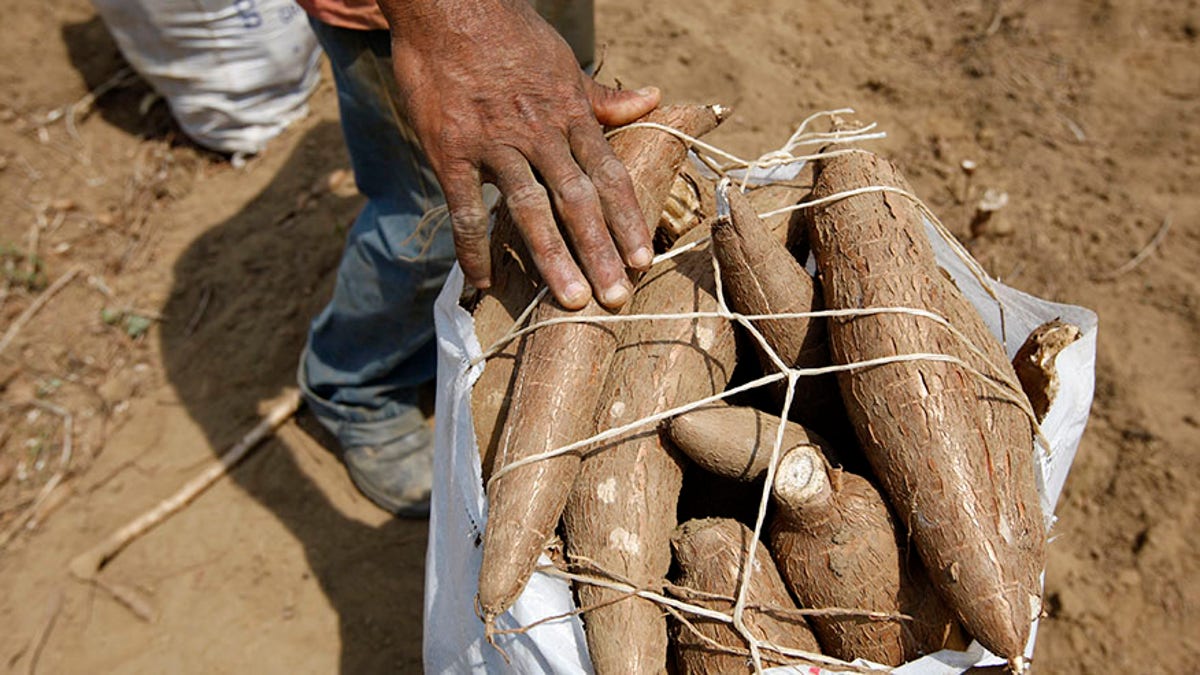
<point>469,222</point>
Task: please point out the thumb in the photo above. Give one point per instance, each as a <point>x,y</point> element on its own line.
<point>614,107</point>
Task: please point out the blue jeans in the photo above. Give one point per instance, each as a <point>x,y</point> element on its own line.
<point>373,344</point>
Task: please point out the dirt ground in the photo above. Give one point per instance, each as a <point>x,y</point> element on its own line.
<point>193,282</point>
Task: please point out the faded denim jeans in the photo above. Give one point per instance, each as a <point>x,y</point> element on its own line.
<point>373,344</point>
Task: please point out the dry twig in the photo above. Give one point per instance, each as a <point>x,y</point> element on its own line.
<point>83,106</point>
<point>43,635</point>
<point>198,314</point>
<point>85,565</point>
<point>35,306</point>
<point>1142,254</point>
<point>127,597</point>
<point>48,490</point>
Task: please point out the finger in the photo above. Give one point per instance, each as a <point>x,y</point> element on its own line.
<point>615,189</point>
<point>579,206</point>
<point>462,187</point>
<point>530,207</point>
<point>614,107</point>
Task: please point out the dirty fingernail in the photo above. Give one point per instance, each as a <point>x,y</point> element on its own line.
<point>641,258</point>
<point>575,292</point>
<point>615,296</point>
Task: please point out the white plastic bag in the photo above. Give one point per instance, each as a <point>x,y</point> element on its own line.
<point>234,72</point>
<point>454,635</point>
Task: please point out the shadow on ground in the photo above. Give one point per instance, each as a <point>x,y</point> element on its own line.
<point>241,300</point>
<point>123,95</point>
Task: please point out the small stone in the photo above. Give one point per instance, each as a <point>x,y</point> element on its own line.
<point>984,221</point>
<point>340,182</point>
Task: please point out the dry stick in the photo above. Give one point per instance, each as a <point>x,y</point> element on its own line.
<point>43,635</point>
<point>201,306</point>
<point>1142,254</point>
<point>35,240</point>
<point>64,462</point>
<point>86,565</point>
<point>36,306</point>
<point>127,597</point>
<point>83,105</point>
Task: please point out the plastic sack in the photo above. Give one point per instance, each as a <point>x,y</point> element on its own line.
<point>454,640</point>
<point>235,73</point>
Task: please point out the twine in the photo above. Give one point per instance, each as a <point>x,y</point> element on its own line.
<point>998,380</point>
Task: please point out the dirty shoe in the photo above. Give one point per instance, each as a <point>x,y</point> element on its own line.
<point>396,475</point>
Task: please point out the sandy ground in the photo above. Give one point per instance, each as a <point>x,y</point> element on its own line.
<point>1083,112</point>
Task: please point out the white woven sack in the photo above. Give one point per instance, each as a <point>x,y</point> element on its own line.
<point>235,73</point>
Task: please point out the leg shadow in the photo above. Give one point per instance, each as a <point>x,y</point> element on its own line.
<point>242,297</point>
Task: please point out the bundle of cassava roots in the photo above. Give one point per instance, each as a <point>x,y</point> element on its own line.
<point>898,486</point>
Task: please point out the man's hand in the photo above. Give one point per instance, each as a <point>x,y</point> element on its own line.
<point>493,93</point>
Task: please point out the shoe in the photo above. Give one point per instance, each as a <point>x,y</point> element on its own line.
<point>397,475</point>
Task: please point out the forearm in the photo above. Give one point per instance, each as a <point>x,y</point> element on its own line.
<point>432,20</point>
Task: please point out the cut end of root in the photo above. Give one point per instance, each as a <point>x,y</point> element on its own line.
<point>1018,665</point>
<point>721,112</point>
<point>800,478</point>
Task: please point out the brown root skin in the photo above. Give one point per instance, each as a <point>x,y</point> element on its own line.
<point>772,197</point>
<point>1034,363</point>
<point>622,509</point>
<point>711,555</point>
<point>760,276</point>
<point>954,456</point>
<point>736,441</point>
<point>836,546</point>
<point>558,381</point>
<point>515,284</point>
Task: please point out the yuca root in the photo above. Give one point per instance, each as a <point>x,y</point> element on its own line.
<point>761,277</point>
<point>712,555</point>
<point>736,441</point>
<point>837,546</point>
<point>621,511</point>
<point>558,381</point>
<point>955,459</point>
<point>514,285</point>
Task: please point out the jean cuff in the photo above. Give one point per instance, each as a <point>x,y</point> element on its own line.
<point>355,427</point>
